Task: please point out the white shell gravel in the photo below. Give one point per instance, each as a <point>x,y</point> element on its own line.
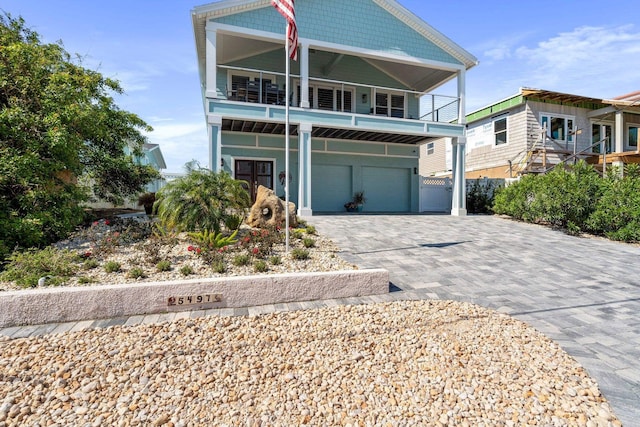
<point>433,363</point>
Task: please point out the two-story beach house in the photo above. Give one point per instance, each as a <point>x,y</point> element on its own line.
<point>362,98</point>
<point>534,130</point>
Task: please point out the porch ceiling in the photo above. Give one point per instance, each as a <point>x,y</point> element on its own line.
<point>233,47</point>
<point>270,128</point>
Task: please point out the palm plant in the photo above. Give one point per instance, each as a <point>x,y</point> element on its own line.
<point>201,200</point>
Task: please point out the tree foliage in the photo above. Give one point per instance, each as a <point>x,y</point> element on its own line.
<point>201,200</point>
<point>59,128</point>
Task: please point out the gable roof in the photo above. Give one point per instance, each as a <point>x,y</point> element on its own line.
<point>202,14</point>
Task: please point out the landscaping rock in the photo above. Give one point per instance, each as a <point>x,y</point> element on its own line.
<point>269,210</point>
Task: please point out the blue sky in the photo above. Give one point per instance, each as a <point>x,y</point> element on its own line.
<point>582,47</point>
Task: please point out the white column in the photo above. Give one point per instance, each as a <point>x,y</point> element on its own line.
<point>215,142</point>
<point>619,140</point>
<point>211,90</point>
<point>304,75</point>
<point>304,169</point>
<point>458,171</point>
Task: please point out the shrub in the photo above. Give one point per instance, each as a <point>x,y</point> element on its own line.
<point>260,266</point>
<point>90,264</point>
<point>201,200</point>
<point>297,233</point>
<point>136,273</point>
<point>112,267</point>
<point>212,240</point>
<point>275,260</point>
<point>186,270</point>
<point>261,242</point>
<point>617,212</point>
<point>163,265</point>
<point>308,242</point>
<point>220,267</point>
<point>480,196</point>
<point>26,268</point>
<point>84,280</point>
<point>241,259</point>
<point>300,254</point>
<point>310,229</point>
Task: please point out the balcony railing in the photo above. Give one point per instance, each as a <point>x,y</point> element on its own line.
<point>264,87</point>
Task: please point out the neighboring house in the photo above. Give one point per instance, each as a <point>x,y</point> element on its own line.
<point>534,130</point>
<point>364,69</point>
<point>151,155</point>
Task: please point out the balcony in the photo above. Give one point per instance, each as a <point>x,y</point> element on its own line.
<point>254,100</point>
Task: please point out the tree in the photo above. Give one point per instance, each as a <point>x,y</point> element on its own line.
<point>61,136</point>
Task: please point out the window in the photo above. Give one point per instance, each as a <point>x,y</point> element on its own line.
<point>632,135</point>
<point>329,98</point>
<point>430,148</point>
<point>598,133</point>
<point>389,104</point>
<point>500,130</point>
<point>558,127</point>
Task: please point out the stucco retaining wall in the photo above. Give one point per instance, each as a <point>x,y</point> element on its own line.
<point>54,305</point>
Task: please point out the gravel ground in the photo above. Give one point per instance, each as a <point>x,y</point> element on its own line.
<point>323,256</point>
<point>433,363</point>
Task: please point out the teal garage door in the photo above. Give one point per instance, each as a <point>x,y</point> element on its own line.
<point>331,187</point>
<point>387,189</point>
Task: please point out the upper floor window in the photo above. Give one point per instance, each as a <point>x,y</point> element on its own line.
<point>329,98</point>
<point>500,130</point>
<point>558,127</point>
<point>389,104</point>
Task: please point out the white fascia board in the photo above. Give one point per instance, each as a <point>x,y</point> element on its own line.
<point>376,54</point>
<point>244,32</point>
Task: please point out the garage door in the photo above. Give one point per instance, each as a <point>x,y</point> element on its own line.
<point>387,189</point>
<point>331,187</point>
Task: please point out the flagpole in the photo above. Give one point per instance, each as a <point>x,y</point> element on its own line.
<point>286,141</point>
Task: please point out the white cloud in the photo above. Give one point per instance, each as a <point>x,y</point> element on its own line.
<point>587,59</point>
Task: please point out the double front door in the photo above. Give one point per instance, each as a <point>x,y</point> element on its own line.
<point>255,173</point>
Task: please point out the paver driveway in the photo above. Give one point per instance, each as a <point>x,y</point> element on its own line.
<point>584,293</point>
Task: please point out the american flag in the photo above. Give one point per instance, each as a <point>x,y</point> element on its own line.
<point>286,9</point>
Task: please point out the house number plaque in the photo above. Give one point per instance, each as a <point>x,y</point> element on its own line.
<point>193,299</point>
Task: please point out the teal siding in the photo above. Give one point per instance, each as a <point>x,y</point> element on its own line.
<point>361,23</point>
<point>388,182</point>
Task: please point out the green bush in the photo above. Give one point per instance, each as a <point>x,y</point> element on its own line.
<point>311,229</point>
<point>201,200</point>
<point>220,267</point>
<point>163,265</point>
<point>186,270</point>
<point>90,264</point>
<point>564,197</point>
<point>275,260</point>
<point>300,254</point>
<point>136,273</point>
<point>112,267</point>
<point>26,268</point>
<point>241,259</point>
<point>480,196</point>
<point>308,242</point>
<point>260,266</point>
<point>617,212</point>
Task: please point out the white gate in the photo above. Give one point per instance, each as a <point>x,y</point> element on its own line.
<point>435,194</point>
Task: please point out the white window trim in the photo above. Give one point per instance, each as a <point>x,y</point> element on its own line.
<point>566,117</point>
<point>323,85</point>
<point>430,146</point>
<point>627,143</point>
<point>601,124</point>
<point>494,119</point>
<point>405,102</point>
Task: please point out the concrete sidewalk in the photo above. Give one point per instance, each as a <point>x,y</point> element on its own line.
<point>584,293</point>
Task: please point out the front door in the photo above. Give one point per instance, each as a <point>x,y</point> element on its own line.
<point>255,172</point>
